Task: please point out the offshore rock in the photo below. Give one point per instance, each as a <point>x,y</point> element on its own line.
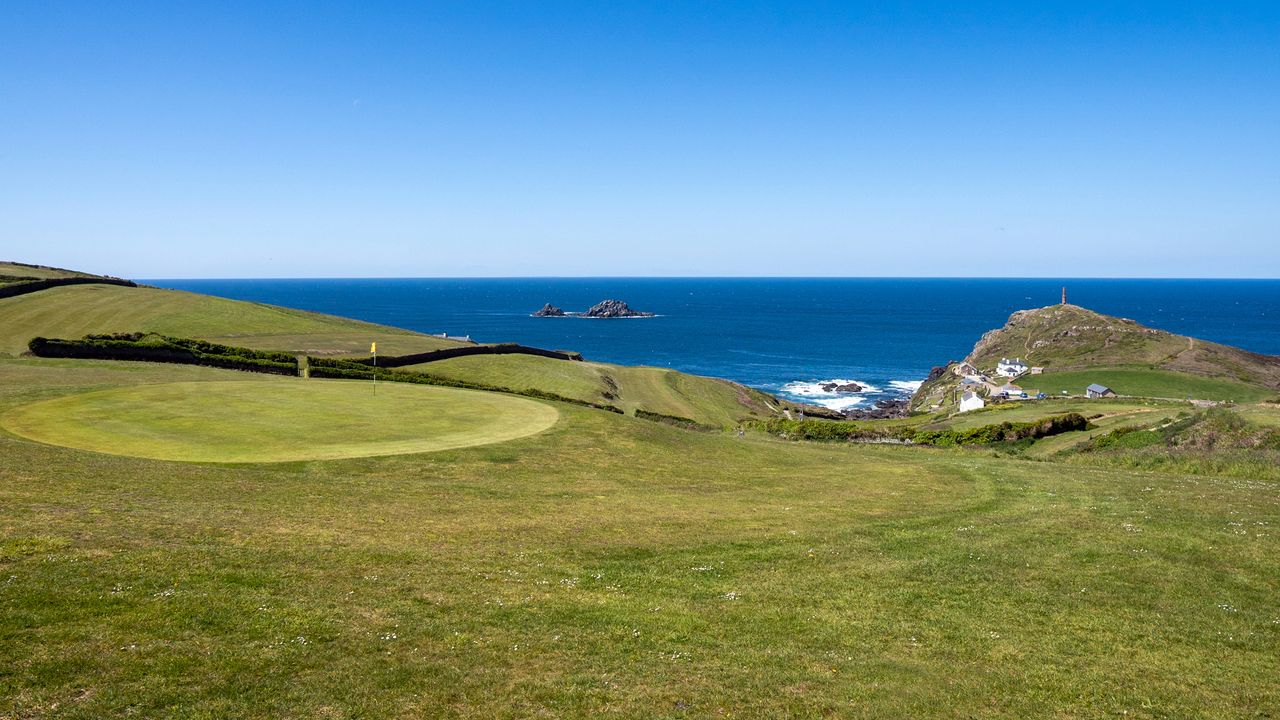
<point>613,309</point>
<point>549,310</point>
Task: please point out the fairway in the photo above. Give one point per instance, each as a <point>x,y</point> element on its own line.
<point>255,421</point>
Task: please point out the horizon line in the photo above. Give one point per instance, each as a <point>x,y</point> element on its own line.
<point>715,277</point>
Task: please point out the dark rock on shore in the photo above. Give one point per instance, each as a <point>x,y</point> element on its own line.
<point>549,310</point>
<point>883,410</point>
<point>613,309</point>
<point>937,371</point>
<point>852,387</point>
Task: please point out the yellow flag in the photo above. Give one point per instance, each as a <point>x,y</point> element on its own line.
<point>373,348</point>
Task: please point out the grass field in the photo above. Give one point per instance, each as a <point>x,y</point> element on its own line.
<point>11,269</point>
<point>71,312</point>
<point>285,419</point>
<point>1144,382</point>
<point>610,565</point>
<point>705,400</point>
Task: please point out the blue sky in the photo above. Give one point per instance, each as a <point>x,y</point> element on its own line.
<point>542,138</point>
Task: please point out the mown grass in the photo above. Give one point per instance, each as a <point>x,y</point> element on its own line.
<point>615,566</point>
<point>72,312</point>
<point>1144,382</point>
<point>286,419</point>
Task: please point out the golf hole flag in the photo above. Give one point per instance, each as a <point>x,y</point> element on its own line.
<point>373,348</point>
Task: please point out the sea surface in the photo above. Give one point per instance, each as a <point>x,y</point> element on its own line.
<point>784,336</point>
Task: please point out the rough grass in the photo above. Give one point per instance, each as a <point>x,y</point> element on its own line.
<point>705,400</point>
<point>72,312</point>
<point>615,566</point>
<point>1144,382</point>
<point>286,419</point>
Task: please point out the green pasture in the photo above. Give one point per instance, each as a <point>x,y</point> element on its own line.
<point>1144,382</point>
<point>285,419</point>
<point>75,311</point>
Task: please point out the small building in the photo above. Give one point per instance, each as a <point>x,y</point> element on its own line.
<point>1036,370</point>
<point>971,401</point>
<point>1011,368</point>
<point>1099,391</point>
<point>965,369</point>
<point>971,382</point>
<point>1013,391</point>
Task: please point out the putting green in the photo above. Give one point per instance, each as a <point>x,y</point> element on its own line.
<point>254,421</point>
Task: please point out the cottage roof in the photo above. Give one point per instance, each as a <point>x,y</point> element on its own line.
<point>1095,387</point>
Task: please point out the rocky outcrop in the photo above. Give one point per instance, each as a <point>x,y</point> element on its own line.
<point>851,387</point>
<point>549,310</point>
<point>613,309</point>
<point>882,410</point>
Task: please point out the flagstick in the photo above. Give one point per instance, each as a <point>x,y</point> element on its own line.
<point>375,372</point>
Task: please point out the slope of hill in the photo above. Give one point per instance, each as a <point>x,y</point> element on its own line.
<point>74,311</point>
<point>21,272</point>
<point>659,390</point>
<point>1077,346</point>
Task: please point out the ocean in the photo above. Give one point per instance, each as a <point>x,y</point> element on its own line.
<point>783,335</point>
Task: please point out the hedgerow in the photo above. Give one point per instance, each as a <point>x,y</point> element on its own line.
<point>150,347</point>
<point>676,420</point>
<point>985,435</point>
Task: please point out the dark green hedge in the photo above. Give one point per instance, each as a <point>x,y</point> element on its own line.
<point>1003,432</point>
<point>393,361</point>
<point>160,348</point>
<point>987,434</point>
<point>675,420</point>
<point>22,288</point>
<point>352,370</point>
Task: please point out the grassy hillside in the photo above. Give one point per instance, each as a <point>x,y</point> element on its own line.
<point>616,566</point>
<point>1145,382</point>
<point>71,312</point>
<point>19,272</point>
<point>1069,337</point>
<point>1077,347</point>
<point>706,400</point>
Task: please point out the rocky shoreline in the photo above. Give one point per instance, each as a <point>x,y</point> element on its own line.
<point>882,410</point>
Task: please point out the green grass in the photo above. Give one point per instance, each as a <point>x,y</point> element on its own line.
<point>705,400</point>
<point>38,271</point>
<point>615,566</point>
<point>72,312</point>
<point>285,419</point>
<point>1144,382</point>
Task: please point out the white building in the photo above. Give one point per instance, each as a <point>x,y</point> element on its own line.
<point>1011,368</point>
<point>971,401</point>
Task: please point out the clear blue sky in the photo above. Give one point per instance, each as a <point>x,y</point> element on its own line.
<point>604,138</point>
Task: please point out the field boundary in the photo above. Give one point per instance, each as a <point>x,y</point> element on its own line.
<point>8,291</point>
<point>447,353</point>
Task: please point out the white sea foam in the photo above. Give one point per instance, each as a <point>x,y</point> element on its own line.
<point>806,388</point>
<point>812,392</point>
<point>906,386</point>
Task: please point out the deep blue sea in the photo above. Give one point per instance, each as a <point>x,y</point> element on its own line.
<point>779,335</point>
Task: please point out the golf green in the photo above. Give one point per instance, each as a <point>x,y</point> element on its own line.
<point>286,419</point>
